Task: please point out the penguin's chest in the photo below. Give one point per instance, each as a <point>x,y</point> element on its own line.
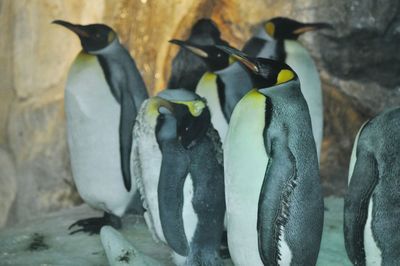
<point>208,89</point>
<point>245,165</point>
<point>93,117</point>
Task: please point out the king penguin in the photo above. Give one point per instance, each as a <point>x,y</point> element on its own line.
<point>187,68</point>
<point>103,94</point>
<point>277,39</point>
<point>223,85</point>
<point>274,202</point>
<point>372,201</point>
<point>177,157</point>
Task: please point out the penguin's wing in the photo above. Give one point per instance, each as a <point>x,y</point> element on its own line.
<point>362,184</point>
<point>173,173</point>
<point>253,46</point>
<point>279,182</point>
<point>127,121</point>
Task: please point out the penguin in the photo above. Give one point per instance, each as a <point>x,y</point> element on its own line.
<point>177,159</point>
<point>277,39</point>
<point>103,94</point>
<point>371,204</point>
<point>274,203</point>
<point>223,85</point>
<point>187,68</point>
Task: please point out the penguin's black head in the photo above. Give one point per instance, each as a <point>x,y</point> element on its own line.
<point>181,118</point>
<point>94,37</point>
<point>205,27</point>
<point>286,28</point>
<point>215,58</point>
<point>264,72</point>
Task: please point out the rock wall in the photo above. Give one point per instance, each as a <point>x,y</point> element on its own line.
<point>359,67</point>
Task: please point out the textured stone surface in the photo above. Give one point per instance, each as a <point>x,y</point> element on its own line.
<point>6,66</point>
<point>46,240</point>
<point>38,142</point>
<point>8,185</point>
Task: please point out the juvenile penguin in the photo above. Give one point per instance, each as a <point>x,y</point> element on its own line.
<point>177,158</point>
<point>103,94</point>
<point>223,85</point>
<point>187,68</point>
<point>372,201</point>
<point>273,194</point>
<point>277,39</point>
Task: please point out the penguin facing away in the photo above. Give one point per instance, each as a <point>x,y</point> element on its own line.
<point>223,85</point>
<point>177,157</point>
<point>103,93</point>
<point>187,68</point>
<point>273,194</point>
<point>277,39</point>
<point>371,206</point>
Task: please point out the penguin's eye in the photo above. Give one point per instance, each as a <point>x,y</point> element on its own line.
<point>219,55</point>
<point>186,129</point>
<point>97,35</point>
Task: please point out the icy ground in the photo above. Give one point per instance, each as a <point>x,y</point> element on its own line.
<point>45,241</point>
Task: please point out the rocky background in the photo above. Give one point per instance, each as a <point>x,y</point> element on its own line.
<point>359,64</point>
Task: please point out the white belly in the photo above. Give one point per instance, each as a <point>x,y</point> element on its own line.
<point>93,137</point>
<point>245,165</point>
<point>299,59</point>
<point>207,88</point>
<point>148,165</point>
<point>373,255</point>
<point>353,157</point>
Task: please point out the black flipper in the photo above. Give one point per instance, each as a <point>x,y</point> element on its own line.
<point>362,184</point>
<point>170,195</point>
<point>93,225</point>
<point>127,121</point>
<point>274,201</point>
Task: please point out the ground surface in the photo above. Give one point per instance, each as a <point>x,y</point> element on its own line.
<point>45,241</point>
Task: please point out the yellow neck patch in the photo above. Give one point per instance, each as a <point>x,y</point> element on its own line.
<point>232,60</point>
<point>284,76</point>
<point>270,28</point>
<point>155,103</point>
<point>111,36</point>
<point>195,107</point>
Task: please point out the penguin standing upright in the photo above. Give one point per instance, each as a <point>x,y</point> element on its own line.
<point>187,69</point>
<point>277,39</point>
<point>223,85</point>
<point>273,194</point>
<point>177,157</point>
<point>372,201</point>
<point>103,94</point>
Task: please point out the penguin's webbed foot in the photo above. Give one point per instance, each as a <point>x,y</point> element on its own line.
<point>93,225</point>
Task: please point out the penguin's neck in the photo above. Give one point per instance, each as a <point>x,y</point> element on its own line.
<point>273,48</point>
<point>288,90</point>
<point>236,83</point>
<point>260,33</point>
<point>121,71</point>
<point>113,48</point>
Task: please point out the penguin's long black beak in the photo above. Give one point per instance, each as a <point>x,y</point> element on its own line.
<point>78,29</point>
<point>197,50</point>
<point>240,56</point>
<point>306,27</point>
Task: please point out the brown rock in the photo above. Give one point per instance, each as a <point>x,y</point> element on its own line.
<point>38,142</point>
<point>8,185</point>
